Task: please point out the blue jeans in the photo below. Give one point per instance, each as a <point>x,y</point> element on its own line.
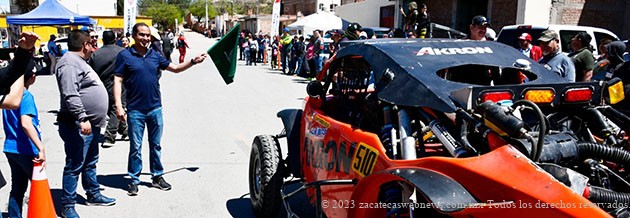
<point>136,121</point>
<point>21,172</point>
<point>247,58</point>
<point>318,64</point>
<point>285,58</point>
<point>81,158</point>
<point>298,70</point>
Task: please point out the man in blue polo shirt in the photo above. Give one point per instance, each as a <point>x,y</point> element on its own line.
<point>137,69</point>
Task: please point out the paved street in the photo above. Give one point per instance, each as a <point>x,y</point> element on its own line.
<point>208,133</point>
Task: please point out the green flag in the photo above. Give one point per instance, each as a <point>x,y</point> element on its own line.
<point>223,54</point>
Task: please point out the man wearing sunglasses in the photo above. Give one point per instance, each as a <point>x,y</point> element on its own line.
<point>82,115</point>
<point>94,39</point>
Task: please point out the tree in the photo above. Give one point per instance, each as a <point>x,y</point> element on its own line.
<point>120,7</point>
<point>225,6</point>
<point>163,14</point>
<point>26,5</point>
<point>198,9</point>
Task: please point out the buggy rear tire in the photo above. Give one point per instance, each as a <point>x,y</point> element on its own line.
<point>265,176</point>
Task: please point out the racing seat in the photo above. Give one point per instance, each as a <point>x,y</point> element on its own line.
<point>354,100</point>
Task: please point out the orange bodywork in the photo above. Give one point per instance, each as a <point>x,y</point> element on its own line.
<point>504,181</point>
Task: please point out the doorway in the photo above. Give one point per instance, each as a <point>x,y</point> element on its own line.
<point>466,10</point>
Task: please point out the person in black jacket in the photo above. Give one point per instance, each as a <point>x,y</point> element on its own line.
<point>424,21</point>
<point>103,62</point>
<point>411,17</point>
<point>619,68</point>
<point>11,77</point>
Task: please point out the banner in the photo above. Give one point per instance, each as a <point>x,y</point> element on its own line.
<point>131,10</point>
<point>275,19</point>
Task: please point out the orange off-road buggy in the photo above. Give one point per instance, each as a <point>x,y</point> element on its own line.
<point>443,128</point>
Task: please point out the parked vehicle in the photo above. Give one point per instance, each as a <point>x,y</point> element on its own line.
<point>441,31</point>
<point>509,35</point>
<point>379,31</point>
<point>435,128</point>
<point>62,44</point>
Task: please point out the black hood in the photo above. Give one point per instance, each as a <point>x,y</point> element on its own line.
<point>615,52</point>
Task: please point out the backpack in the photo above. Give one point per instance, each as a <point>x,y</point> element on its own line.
<point>180,43</point>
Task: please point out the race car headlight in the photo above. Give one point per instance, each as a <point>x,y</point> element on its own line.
<point>615,92</point>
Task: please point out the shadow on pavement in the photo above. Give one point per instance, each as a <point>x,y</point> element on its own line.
<point>56,196</point>
<point>117,181</point>
<point>299,203</point>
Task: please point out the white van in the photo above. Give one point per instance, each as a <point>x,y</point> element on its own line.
<point>509,35</point>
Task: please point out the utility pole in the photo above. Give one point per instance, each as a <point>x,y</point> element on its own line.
<point>206,16</point>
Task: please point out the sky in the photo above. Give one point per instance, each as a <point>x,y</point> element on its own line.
<point>4,4</point>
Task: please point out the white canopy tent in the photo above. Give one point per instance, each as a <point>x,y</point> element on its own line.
<point>322,20</point>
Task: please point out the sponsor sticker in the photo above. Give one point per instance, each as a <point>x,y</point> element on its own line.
<point>453,51</point>
<point>364,159</point>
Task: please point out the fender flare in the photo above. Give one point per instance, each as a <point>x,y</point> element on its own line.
<point>445,194</point>
<point>291,120</point>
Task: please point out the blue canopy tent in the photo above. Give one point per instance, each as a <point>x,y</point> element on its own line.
<point>49,13</point>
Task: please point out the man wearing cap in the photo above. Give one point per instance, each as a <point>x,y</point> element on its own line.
<point>336,36</point>
<point>103,62</point>
<point>352,32</point>
<point>532,51</point>
<point>553,59</point>
<point>285,41</point>
<point>478,28</point>
<point>582,57</point>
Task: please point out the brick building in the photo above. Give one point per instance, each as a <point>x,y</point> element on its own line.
<point>608,14</point>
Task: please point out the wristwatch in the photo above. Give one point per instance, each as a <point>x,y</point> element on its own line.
<point>192,60</point>
<point>83,119</point>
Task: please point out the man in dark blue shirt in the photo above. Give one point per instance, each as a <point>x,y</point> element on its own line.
<point>53,52</point>
<point>137,69</point>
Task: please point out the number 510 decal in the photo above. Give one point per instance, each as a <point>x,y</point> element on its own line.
<point>364,159</point>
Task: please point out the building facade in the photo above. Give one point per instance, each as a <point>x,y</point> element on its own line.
<point>307,7</point>
<point>457,14</point>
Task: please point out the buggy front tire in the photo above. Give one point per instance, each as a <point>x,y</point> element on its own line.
<point>265,176</point>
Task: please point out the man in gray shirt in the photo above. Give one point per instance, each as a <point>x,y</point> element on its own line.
<point>553,59</point>
<point>83,113</point>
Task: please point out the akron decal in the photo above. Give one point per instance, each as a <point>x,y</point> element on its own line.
<point>454,51</point>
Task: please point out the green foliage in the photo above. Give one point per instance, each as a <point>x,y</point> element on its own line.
<point>26,5</point>
<point>224,6</point>
<point>120,7</point>
<point>163,14</point>
<point>198,9</point>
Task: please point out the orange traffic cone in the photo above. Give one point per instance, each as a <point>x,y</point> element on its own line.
<point>40,203</point>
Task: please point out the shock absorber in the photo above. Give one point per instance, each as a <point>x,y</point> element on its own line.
<point>447,140</point>
<point>407,142</point>
<point>388,133</point>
